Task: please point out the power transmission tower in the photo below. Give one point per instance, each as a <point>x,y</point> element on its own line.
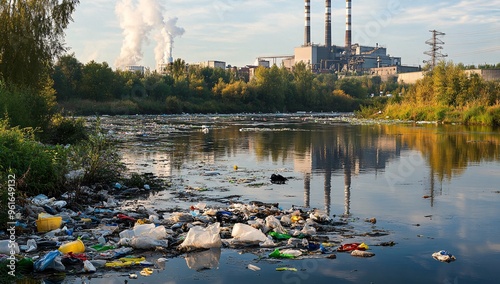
<point>436,45</point>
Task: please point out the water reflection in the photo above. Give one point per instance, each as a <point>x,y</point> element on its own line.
<point>207,259</point>
<point>322,149</point>
<point>344,150</point>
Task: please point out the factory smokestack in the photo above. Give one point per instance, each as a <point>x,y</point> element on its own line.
<point>328,23</point>
<point>348,35</point>
<point>307,32</point>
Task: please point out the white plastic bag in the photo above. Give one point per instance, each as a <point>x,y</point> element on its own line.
<point>308,230</point>
<point>275,224</point>
<point>247,234</point>
<point>147,243</point>
<point>148,230</point>
<point>199,237</point>
<point>143,229</point>
<point>127,234</point>
<point>31,245</point>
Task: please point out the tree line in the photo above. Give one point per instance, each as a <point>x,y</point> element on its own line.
<point>447,93</point>
<point>85,88</point>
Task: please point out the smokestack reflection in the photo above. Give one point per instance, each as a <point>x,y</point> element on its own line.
<point>328,189</point>
<point>347,187</point>
<point>307,190</point>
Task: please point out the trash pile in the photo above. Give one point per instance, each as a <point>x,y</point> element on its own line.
<point>104,237</point>
<point>444,256</point>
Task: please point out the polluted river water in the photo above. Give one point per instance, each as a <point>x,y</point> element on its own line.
<point>421,187</point>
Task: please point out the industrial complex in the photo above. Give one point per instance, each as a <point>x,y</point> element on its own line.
<point>327,58</point>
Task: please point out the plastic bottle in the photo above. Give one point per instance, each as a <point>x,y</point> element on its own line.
<point>6,247</point>
<point>277,254</point>
<point>100,247</point>
<point>279,236</point>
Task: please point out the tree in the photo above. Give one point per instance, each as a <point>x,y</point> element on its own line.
<point>303,79</point>
<point>352,87</point>
<point>270,87</point>
<point>31,33</point>
<point>98,81</point>
<point>178,70</point>
<point>67,76</point>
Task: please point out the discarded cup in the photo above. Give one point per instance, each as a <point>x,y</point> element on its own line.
<point>74,247</point>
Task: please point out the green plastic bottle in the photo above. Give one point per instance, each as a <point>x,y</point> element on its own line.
<point>277,254</point>
<point>279,236</point>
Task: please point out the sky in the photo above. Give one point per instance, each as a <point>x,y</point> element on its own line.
<point>239,31</point>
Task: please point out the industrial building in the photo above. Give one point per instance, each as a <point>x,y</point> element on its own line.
<point>336,58</point>
<point>136,68</point>
<point>392,72</point>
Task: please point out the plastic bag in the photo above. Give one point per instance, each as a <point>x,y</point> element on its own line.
<point>308,230</point>
<point>127,234</point>
<point>44,262</point>
<point>150,230</point>
<point>286,220</point>
<point>31,245</point>
<point>88,266</point>
<point>268,243</point>
<point>275,224</point>
<point>248,234</point>
<point>57,265</point>
<point>143,229</point>
<point>59,204</point>
<point>199,237</point>
<point>147,243</point>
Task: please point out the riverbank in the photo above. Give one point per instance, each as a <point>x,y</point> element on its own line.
<point>116,227</point>
<point>470,115</point>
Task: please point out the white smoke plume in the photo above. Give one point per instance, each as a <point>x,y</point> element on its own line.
<point>138,19</point>
<point>165,39</point>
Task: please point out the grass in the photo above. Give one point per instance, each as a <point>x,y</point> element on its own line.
<point>470,115</point>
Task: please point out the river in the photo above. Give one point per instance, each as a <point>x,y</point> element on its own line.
<point>432,187</point>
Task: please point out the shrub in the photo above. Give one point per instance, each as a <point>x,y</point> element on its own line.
<point>471,114</point>
<point>173,105</point>
<point>39,168</point>
<point>65,130</point>
<point>98,157</point>
<point>25,107</point>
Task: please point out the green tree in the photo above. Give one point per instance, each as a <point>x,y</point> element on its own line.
<point>31,33</point>
<point>67,76</point>
<point>270,87</point>
<point>352,87</point>
<point>31,36</point>
<point>303,80</point>
<point>98,81</point>
<point>178,70</point>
